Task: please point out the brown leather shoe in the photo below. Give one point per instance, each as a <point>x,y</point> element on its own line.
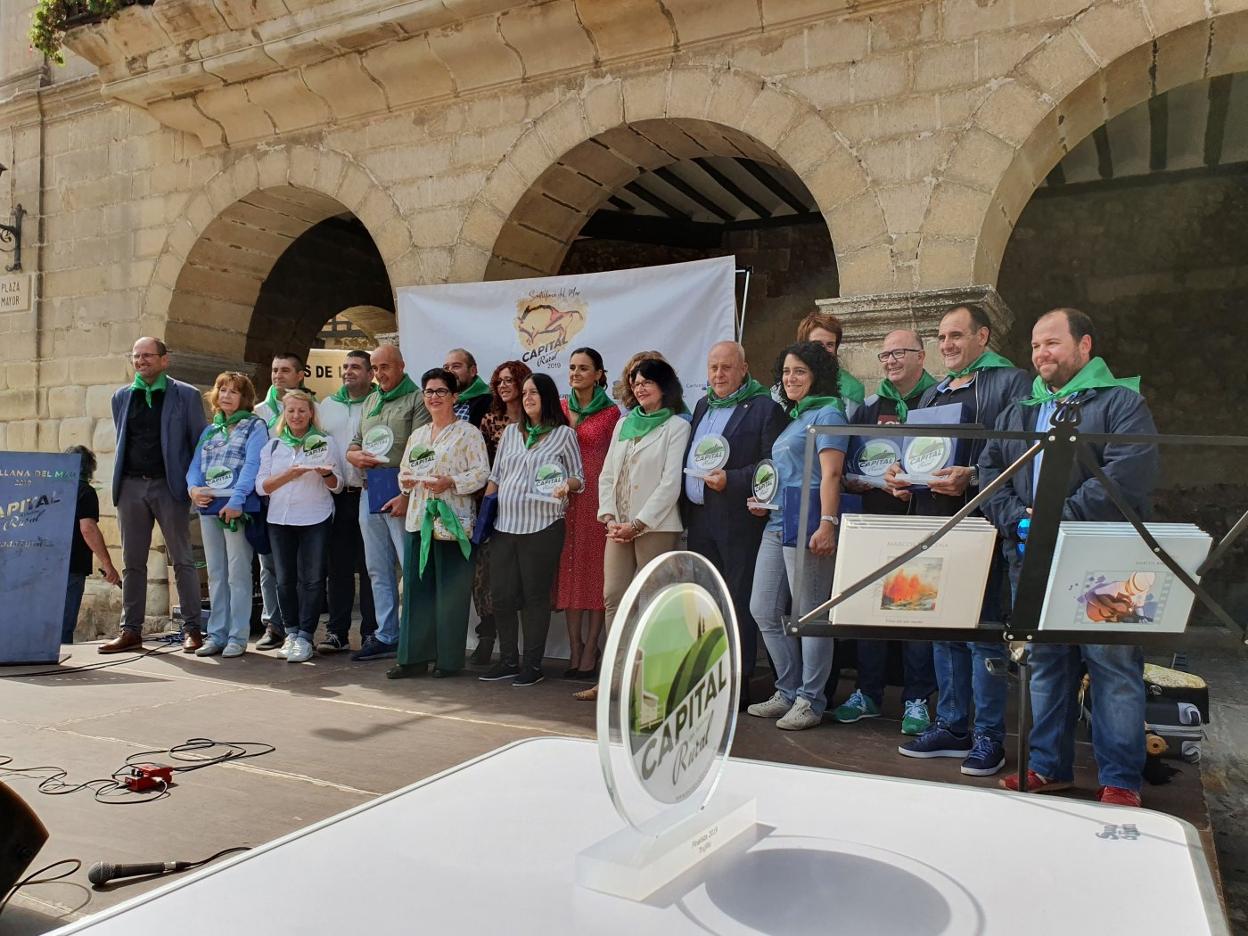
<point>192,639</point>
<point>124,642</point>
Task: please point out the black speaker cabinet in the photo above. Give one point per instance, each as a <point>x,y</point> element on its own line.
<point>21,837</point>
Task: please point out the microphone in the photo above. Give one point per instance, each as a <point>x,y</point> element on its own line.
<point>104,871</point>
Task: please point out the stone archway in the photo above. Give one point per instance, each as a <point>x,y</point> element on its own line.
<point>1105,61</point>
<point>558,162</point>
<point>218,255</point>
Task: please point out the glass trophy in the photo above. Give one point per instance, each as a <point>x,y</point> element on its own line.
<point>710,454</point>
<point>546,479</point>
<point>764,484</point>
<point>378,441</point>
<point>420,462</point>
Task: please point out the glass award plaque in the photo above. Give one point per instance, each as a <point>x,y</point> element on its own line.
<point>545,480</point>
<point>667,711</point>
<point>710,454</point>
<point>764,484</point>
<point>923,456</point>
<point>378,441</point>
<point>220,480</point>
<point>870,459</point>
<point>420,461</point>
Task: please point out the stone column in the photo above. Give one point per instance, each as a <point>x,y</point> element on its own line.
<point>202,369</point>
<point>867,319</point>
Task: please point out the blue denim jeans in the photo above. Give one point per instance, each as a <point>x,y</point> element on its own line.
<point>301,557</point>
<point>270,611</point>
<point>73,601</point>
<point>917,665</point>
<point>228,555</point>
<point>1117,673</point>
<point>963,678</point>
<point>383,554</point>
<point>802,663</point>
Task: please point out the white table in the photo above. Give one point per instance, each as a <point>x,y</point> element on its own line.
<point>490,847</point>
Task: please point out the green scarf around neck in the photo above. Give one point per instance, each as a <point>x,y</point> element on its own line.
<point>639,423</point>
<point>816,402</point>
<point>1095,375</point>
<point>342,396</point>
<point>533,432</point>
<point>986,361</point>
<point>294,441</point>
<point>221,423</point>
<point>850,387</point>
<point>477,388</point>
<point>747,391</point>
<point>401,389</point>
<point>437,508</point>
<point>888,391</point>
<point>160,383</point>
<point>599,401</point>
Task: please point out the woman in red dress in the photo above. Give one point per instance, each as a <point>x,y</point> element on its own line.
<point>593,415</point>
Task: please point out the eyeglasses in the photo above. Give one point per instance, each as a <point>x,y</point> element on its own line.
<point>643,383</point>
<point>506,381</point>
<point>898,354</point>
<point>438,392</point>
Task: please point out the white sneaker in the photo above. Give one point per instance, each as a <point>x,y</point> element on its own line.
<point>299,651</point>
<point>800,716</point>
<point>210,648</point>
<point>772,708</point>
<point>233,650</point>
<point>286,645</point>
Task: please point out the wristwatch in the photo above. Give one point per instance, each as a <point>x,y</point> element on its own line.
<point>835,521</point>
<point>974,482</point>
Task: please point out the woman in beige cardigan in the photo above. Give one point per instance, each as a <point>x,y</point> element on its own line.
<point>639,487</point>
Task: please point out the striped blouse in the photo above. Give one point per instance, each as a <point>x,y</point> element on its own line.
<point>515,468</point>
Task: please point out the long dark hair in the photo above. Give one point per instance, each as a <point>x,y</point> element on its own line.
<point>661,373</point>
<point>824,370</point>
<point>597,360</point>
<point>552,411</point>
<point>520,373</point>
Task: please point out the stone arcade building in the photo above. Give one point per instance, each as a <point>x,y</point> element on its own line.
<point>230,175</point>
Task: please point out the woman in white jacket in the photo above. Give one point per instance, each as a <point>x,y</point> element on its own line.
<point>639,487</point>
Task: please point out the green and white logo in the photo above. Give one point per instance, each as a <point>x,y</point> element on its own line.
<point>926,454</point>
<point>219,477</point>
<point>378,441</point>
<point>711,452</point>
<point>764,482</point>
<point>547,478</point>
<point>876,456</point>
<point>420,460</point>
<point>678,691</point>
<point>315,449</point>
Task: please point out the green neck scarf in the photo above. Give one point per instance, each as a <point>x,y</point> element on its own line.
<point>816,402</point>
<point>221,423</point>
<point>342,396</point>
<point>160,383</point>
<point>533,432</point>
<point>986,361</point>
<point>889,392</point>
<point>639,423</point>
<point>599,401</point>
<point>1095,375</point>
<point>294,441</point>
<point>747,391</point>
<point>233,525</point>
<point>437,508</point>
<point>477,388</point>
<point>850,387</point>
<point>401,389</point>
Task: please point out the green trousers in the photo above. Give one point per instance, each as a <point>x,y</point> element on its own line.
<point>434,626</point>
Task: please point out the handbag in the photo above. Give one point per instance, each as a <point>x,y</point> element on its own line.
<point>487,513</point>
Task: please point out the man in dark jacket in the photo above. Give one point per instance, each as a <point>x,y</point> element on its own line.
<point>159,421</point>
<point>1062,343</point>
<point>984,383</point>
<point>739,409</point>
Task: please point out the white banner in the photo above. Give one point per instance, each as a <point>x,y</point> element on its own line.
<point>679,310</point>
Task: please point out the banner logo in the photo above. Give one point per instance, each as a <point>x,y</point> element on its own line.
<point>547,321</point>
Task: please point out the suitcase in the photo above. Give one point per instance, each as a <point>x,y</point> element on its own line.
<point>1172,685</point>
<point>1179,725</point>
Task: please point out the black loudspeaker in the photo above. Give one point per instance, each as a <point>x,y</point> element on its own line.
<point>21,837</point>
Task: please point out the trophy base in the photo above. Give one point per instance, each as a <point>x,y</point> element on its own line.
<point>757,506</point>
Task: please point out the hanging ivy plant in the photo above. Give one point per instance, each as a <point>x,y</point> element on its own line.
<point>53,17</point>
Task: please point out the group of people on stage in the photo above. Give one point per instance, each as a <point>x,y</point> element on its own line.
<point>623,496</point>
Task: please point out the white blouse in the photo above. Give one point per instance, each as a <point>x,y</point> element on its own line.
<point>305,500</point>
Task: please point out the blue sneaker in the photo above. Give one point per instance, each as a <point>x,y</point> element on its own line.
<point>374,649</point>
<point>986,757</point>
<point>937,741</point>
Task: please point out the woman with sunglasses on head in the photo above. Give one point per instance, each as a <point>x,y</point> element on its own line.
<point>504,410</point>
<point>639,488</point>
<point>538,466</point>
<point>222,474</point>
<point>444,465</point>
<point>592,416</point>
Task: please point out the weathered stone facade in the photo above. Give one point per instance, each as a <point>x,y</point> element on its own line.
<point>191,142</point>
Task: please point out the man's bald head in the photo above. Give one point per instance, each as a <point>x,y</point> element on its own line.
<point>907,336</point>
<point>387,366</point>
<point>726,368</point>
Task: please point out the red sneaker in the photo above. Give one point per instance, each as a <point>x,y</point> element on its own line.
<point>1035,783</point>
<point>1117,796</point>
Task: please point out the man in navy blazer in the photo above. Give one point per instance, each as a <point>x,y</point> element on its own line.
<point>159,421</point>
<point>741,410</point>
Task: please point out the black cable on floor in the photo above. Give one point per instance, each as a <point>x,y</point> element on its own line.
<point>33,878</point>
<point>65,670</point>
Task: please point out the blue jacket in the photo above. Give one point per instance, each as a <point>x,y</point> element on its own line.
<point>181,424</point>
<point>1134,468</point>
<point>244,497</point>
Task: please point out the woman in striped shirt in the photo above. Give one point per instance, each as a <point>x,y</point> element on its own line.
<point>537,466</point>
